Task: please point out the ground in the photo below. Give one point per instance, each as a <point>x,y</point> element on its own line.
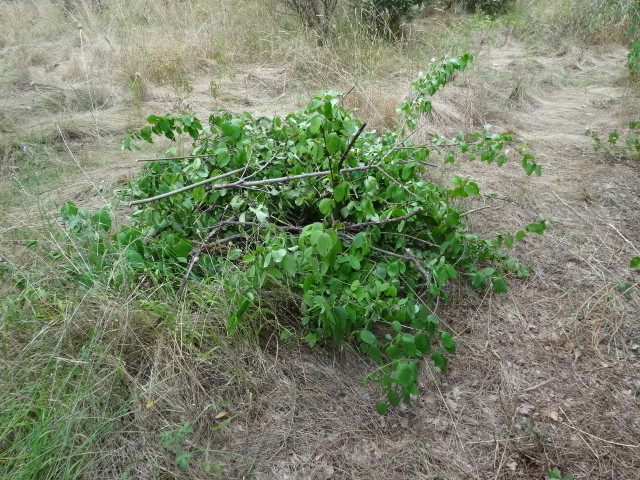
<point>547,376</point>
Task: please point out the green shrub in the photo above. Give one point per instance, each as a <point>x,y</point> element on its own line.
<point>315,205</point>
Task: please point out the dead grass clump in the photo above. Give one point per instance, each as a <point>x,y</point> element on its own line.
<point>30,22</point>
<point>13,72</point>
<point>554,25</point>
<point>12,155</point>
<point>375,106</point>
<point>76,100</point>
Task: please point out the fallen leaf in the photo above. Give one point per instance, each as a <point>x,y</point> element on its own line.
<point>551,413</point>
<point>222,414</point>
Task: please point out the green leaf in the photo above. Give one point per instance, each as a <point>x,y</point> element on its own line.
<point>315,124</point>
<point>199,193</point>
<point>101,220</point>
<point>134,258</point>
<point>471,189</point>
<point>324,244</point>
<point>325,206</point>
<point>340,192</point>
<point>230,130</point>
<point>508,241</point>
<point>381,408</point>
<point>553,474</point>
<point>290,265</point>
<point>422,343</point>
<point>367,337</point>
<point>635,262</point>
<point>538,228</point>
<point>145,134</point>
<point>359,240</point>
<point>439,361</point>
<point>68,210</point>
<point>393,398</point>
<point>448,342</point>
<point>354,262</point>
<point>405,374</point>
<point>499,285</point>
<point>333,143</point>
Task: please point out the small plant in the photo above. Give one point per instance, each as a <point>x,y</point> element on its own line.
<point>174,439</point>
<point>555,474</point>
<point>618,146</point>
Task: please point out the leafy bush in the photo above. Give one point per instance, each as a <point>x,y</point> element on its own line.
<point>316,205</point>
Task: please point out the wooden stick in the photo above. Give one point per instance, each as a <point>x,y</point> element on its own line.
<point>186,157</point>
<point>358,226</point>
<point>475,210</point>
<point>241,183</point>
<point>353,140</point>
<point>188,187</point>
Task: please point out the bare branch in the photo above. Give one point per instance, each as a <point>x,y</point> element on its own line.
<point>244,184</point>
<point>418,266</point>
<point>188,187</point>
<point>350,146</point>
<point>186,157</point>
<point>359,226</point>
<point>475,210</point>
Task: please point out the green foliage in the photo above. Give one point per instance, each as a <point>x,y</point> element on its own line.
<point>174,439</point>
<point>619,145</point>
<point>555,474</point>
<point>315,204</point>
